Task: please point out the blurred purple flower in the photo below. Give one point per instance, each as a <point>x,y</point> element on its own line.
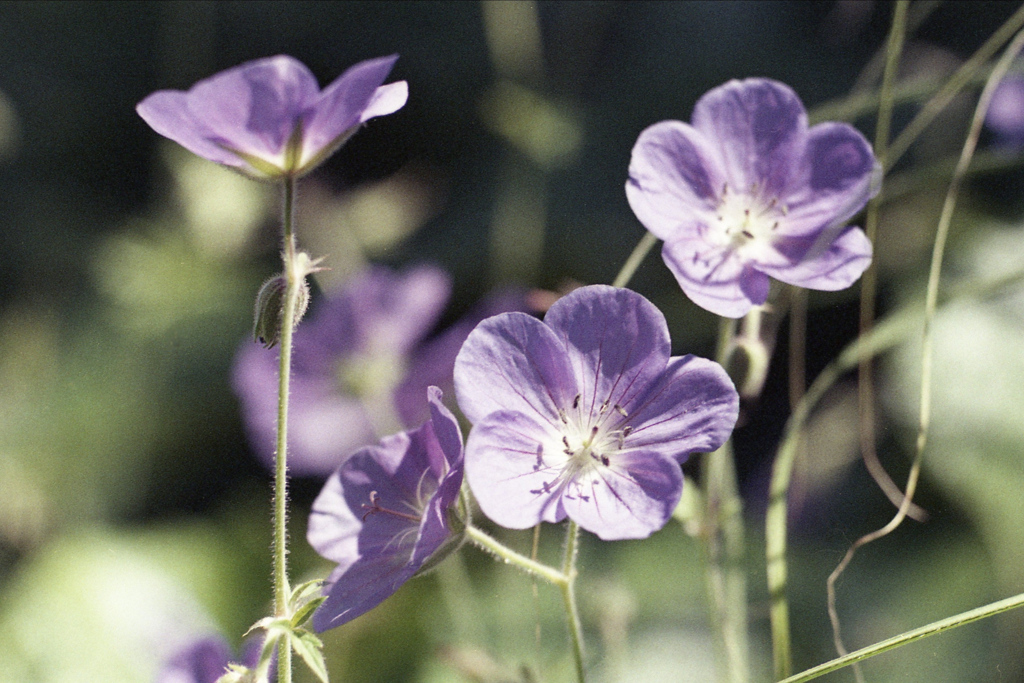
<point>361,366</point>
<point>586,415</point>
<point>748,191</point>
<point>268,118</point>
<point>205,660</point>
<point>1005,115</point>
<point>384,515</point>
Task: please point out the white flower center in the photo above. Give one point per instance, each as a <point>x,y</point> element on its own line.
<point>747,221</point>
<point>590,438</point>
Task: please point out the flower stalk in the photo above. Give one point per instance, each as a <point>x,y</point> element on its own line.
<point>294,277</point>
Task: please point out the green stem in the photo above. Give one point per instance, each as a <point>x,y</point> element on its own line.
<point>646,243</point>
<point>893,330</point>
<point>932,629</point>
<point>486,542</point>
<point>954,85</point>
<point>293,282</point>
<point>565,580</point>
<point>572,537</point>
<point>724,544</point>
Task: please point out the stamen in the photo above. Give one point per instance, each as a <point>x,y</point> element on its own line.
<point>747,234</point>
<point>605,461</point>
<point>621,410</point>
<point>627,430</point>
<point>375,506</point>
<point>562,416</point>
<point>576,402</point>
<point>604,406</point>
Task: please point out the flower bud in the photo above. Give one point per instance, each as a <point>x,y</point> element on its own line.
<point>270,309</point>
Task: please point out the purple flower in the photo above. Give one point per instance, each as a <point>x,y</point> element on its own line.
<point>349,358</point>
<point>268,118</point>
<point>1005,115</point>
<point>747,191</point>
<point>205,660</point>
<point>586,415</point>
<point>385,513</point>
<point>360,368</point>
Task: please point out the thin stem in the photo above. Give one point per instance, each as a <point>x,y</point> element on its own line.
<point>892,331</point>
<point>572,537</point>
<point>486,542</point>
<point>646,243</point>
<point>955,84</point>
<point>931,629</point>
<point>931,303</point>
<point>293,283</point>
<point>565,580</point>
<point>868,293</point>
<point>724,543</point>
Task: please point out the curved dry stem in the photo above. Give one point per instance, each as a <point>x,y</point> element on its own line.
<point>931,303</point>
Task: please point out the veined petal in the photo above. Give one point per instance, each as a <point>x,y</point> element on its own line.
<point>616,343</point>
<point>716,278</point>
<point>515,469</point>
<point>357,589</point>
<point>255,107</point>
<point>343,103</point>
<point>337,529</point>
<point>692,409</point>
<point>759,129</point>
<point>513,362</point>
<point>675,178</point>
<point>167,112</point>
<point>835,268</point>
<point>446,437</point>
<point>631,498</point>
<point>837,177</point>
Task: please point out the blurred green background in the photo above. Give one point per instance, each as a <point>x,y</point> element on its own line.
<point>132,513</point>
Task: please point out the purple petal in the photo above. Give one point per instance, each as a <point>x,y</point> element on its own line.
<point>513,362</point>
<point>447,438</point>
<point>254,107</point>
<point>167,112</point>
<point>395,311</point>
<point>631,498</point>
<point>716,278</point>
<point>675,178</point>
<point>692,409</point>
<point>343,103</point>
<point>384,513</point>
<point>386,100</point>
<point>1005,114</point>
<point>759,129</point>
<point>359,588</point>
<point>203,661</point>
<point>324,425</point>
<point>616,341</point>
<point>836,179</point>
<point>836,268</point>
<point>432,363</point>
<point>514,467</point>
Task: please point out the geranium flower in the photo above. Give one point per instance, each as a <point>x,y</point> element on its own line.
<point>268,118</point>
<point>586,415</point>
<point>1005,116</point>
<point>748,191</point>
<point>205,660</point>
<point>361,365</point>
<point>384,515</point>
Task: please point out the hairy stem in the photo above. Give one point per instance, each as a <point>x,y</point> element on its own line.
<point>293,283</point>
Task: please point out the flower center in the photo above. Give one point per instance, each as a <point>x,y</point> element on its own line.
<point>369,376</point>
<point>591,438</point>
<point>747,221</point>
